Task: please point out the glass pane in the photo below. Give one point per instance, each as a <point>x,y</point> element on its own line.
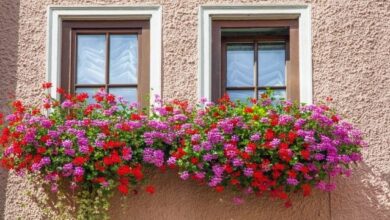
<point>277,94</point>
<point>240,65</point>
<point>128,94</point>
<point>91,92</point>
<point>123,59</point>
<point>241,95</point>
<point>272,64</point>
<point>91,59</point>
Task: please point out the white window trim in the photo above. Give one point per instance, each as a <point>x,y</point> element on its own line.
<point>302,12</point>
<point>54,26</point>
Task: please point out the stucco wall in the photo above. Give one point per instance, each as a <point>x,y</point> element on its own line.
<point>351,63</point>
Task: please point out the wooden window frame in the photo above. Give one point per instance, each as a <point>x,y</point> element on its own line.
<point>218,44</point>
<point>71,28</point>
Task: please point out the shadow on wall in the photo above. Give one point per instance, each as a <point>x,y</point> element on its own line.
<point>364,195</point>
<point>9,26</point>
<point>178,199</point>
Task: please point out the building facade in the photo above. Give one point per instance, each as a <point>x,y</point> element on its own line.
<point>188,49</point>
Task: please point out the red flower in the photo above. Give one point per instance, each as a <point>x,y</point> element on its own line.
<point>292,174</point>
<point>46,105</point>
<point>78,178</point>
<point>79,161</point>
<point>82,97</point>
<point>169,108</point>
<point>99,166</point>
<point>283,145</point>
<point>60,91</point>
<point>110,98</point>
<point>99,180</point>
<point>222,108</point>
<point>306,189</point>
<point>305,154</point>
<point>47,85</point>
<point>335,118</point>
<point>245,155</point>
<point>234,181</point>
<point>135,117</point>
<point>248,110</point>
<point>41,150</point>
<point>124,170</point>
<point>150,189</point>
<point>304,169</point>
<point>269,134</point>
<point>284,154</point>
<point>228,168</point>
<point>251,146</point>
<point>137,172</point>
<point>194,160</point>
<point>219,188</point>
<point>124,189</point>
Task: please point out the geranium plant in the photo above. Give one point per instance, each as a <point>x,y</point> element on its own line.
<point>94,146</point>
<point>267,147</point>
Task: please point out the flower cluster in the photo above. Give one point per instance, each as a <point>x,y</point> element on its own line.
<point>263,147</point>
<point>267,147</point>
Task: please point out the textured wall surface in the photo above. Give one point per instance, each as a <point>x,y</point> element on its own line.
<point>351,63</point>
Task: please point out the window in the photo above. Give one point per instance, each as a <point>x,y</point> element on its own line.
<point>113,55</point>
<point>251,56</point>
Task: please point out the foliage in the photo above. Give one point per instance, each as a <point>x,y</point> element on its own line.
<point>265,147</point>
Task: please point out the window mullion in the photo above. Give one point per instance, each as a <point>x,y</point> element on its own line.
<point>256,67</point>
<point>107,61</point>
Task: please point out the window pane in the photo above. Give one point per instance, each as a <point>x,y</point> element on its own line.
<point>241,95</point>
<point>277,94</point>
<point>240,65</point>
<point>91,59</point>
<point>123,59</point>
<point>90,91</point>
<point>128,94</point>
<point>272,62</point>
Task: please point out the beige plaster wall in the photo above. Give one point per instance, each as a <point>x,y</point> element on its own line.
<point>351,63</point>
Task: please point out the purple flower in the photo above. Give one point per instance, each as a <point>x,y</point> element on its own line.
<point>45,161</point>
<point>237,162</point>
<point>36,167</point>
<point>67,167</point>
<point>207,146</point>
<point>214,136</point>
<point>69,152</point>
<point>195,138</point>
<point>199,175</point>
<point>275,143</point>
<point>67,104</point>
<point>207,157</point>
<point>248,172</point>
<point>67,143</point>
<point>255,137</point>
<point>215,180</point>
<point>321,186</point>
<point>184,175</point>
<point>292,181</point>
<point>196,148</point>
<point>285,119</point>
<point>78,171</point>
<point>84,149</point>
<point>218,170</point>
<point>171,161</point>
<point>54,187</point>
